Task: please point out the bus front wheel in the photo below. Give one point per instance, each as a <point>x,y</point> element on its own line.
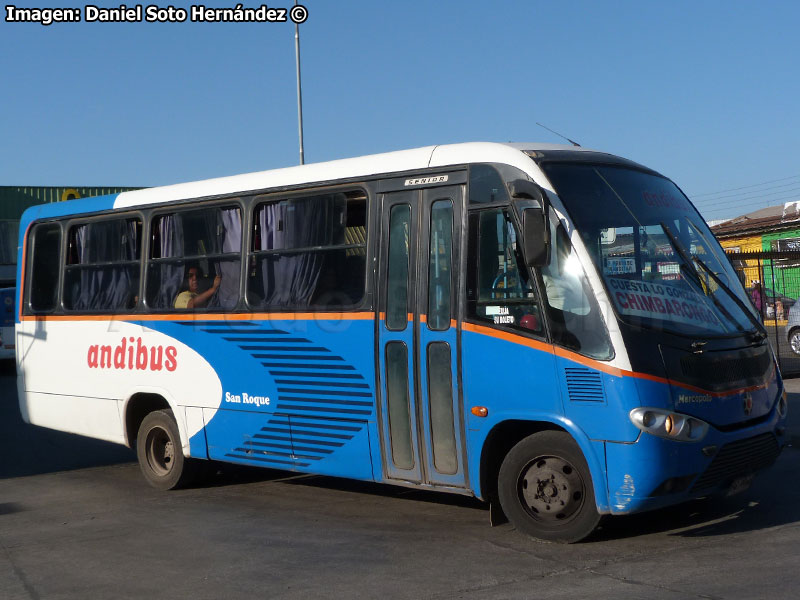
<point>545,488</point>
<point>158,448</point>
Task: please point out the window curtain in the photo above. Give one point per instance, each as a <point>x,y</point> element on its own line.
<point>107,287</point>
<point>169,276</point>
<point>290,279</point>
<point>228,227</point>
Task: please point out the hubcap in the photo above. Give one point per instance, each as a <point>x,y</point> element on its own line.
<point>160,451</point>
<point>795,343</point>
<point>551,489</point>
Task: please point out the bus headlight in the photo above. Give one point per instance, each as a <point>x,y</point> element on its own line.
<point>668,424</point>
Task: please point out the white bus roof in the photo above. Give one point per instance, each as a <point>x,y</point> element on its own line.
<point>363,166</point>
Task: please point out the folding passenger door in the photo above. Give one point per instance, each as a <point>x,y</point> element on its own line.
<point>418,331</point>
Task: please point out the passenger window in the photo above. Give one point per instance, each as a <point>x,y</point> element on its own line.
<point>572,309</point>
<point>45,251</point>
<point>440,272</point>
<point>397,290</point>
<point>102,266</point>
<point>505,295</point>
<point>398,400</point>
<point>195,259</point>
<point>486,185</point>
<point>309,252</point>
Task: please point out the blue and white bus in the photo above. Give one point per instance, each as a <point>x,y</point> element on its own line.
<point>550,329</point>
<point>8,270</point>
<point>7,295</point>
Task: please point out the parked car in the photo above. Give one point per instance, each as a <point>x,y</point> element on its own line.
<point>793,328</point>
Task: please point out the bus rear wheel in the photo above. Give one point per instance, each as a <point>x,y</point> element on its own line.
<point>158,448</point>
<point>545,488</point>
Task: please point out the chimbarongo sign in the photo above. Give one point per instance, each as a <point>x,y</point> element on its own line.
<point>660,301</point>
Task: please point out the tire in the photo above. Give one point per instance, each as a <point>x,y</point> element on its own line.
<point>794,340</point>
<point>160,454</point>
<point>560,505</point>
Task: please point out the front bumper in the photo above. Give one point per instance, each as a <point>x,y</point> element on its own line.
<point>654,472</point>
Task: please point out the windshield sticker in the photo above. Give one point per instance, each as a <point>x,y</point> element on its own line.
<point>616,266</point>
<point>502,317</point>
<point>661,301</point>
<point>669,270</point>
<point>608,236</point>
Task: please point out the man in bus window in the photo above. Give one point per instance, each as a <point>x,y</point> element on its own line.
<point>190,297</point>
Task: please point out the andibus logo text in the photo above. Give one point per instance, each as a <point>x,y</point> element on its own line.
<point>132,354</point>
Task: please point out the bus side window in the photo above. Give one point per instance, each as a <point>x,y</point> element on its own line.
<point>485,185</point>
<point>45,250</point>
<point>573,312</point>
<point>505,295</point>
<point>102,265</point>
<point>439,265</point>
<point>206,239</point>
<point>308,252</point>
<point>398,268</point>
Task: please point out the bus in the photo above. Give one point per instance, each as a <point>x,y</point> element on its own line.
<point>8,270</point>
<point>550,329</point>
<point>7,295</point>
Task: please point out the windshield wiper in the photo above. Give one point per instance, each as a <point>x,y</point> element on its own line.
<point>687,260</point>
<point>760,334</point>
<point>758,325</point>
<point>694,260</point>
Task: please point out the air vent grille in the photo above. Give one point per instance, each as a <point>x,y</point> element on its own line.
<point>738,459</point>
<point>584,385</point>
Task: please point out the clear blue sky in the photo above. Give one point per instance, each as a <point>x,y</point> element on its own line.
<point>706,92</point>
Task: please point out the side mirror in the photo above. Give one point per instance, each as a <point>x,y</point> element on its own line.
<point>535,226</point>
<point>536,237</point>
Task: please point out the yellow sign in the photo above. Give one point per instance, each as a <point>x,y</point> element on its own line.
<point>70,194</point>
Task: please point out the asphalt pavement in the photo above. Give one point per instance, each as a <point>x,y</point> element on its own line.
<point>78,521</point>
<point>793,421</point>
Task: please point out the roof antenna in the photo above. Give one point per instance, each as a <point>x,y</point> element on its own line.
<point>574,143</point>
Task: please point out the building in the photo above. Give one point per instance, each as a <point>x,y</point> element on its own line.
<point>760,234</point>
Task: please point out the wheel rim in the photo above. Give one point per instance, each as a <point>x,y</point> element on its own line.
<point>551,489</point>
<point>160,451</point>
<point>794,342</point>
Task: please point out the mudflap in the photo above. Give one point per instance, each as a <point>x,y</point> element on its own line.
<point>496,514</point>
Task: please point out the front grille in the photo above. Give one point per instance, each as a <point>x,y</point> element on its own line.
<point>738,459</point>
<point>725,369</point>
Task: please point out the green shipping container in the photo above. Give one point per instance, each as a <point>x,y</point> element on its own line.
<point>13,202</point>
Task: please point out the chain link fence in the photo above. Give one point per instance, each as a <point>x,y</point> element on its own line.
<point>772,280</point>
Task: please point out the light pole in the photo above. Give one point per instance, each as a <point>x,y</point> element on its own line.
<point>299,91</point>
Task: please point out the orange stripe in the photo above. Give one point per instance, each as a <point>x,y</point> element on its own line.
<point>508,337</point>
<point>598,365</point>
<point>178,316</point>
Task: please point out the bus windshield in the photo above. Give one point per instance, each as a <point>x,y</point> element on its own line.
<point>661,264</point>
